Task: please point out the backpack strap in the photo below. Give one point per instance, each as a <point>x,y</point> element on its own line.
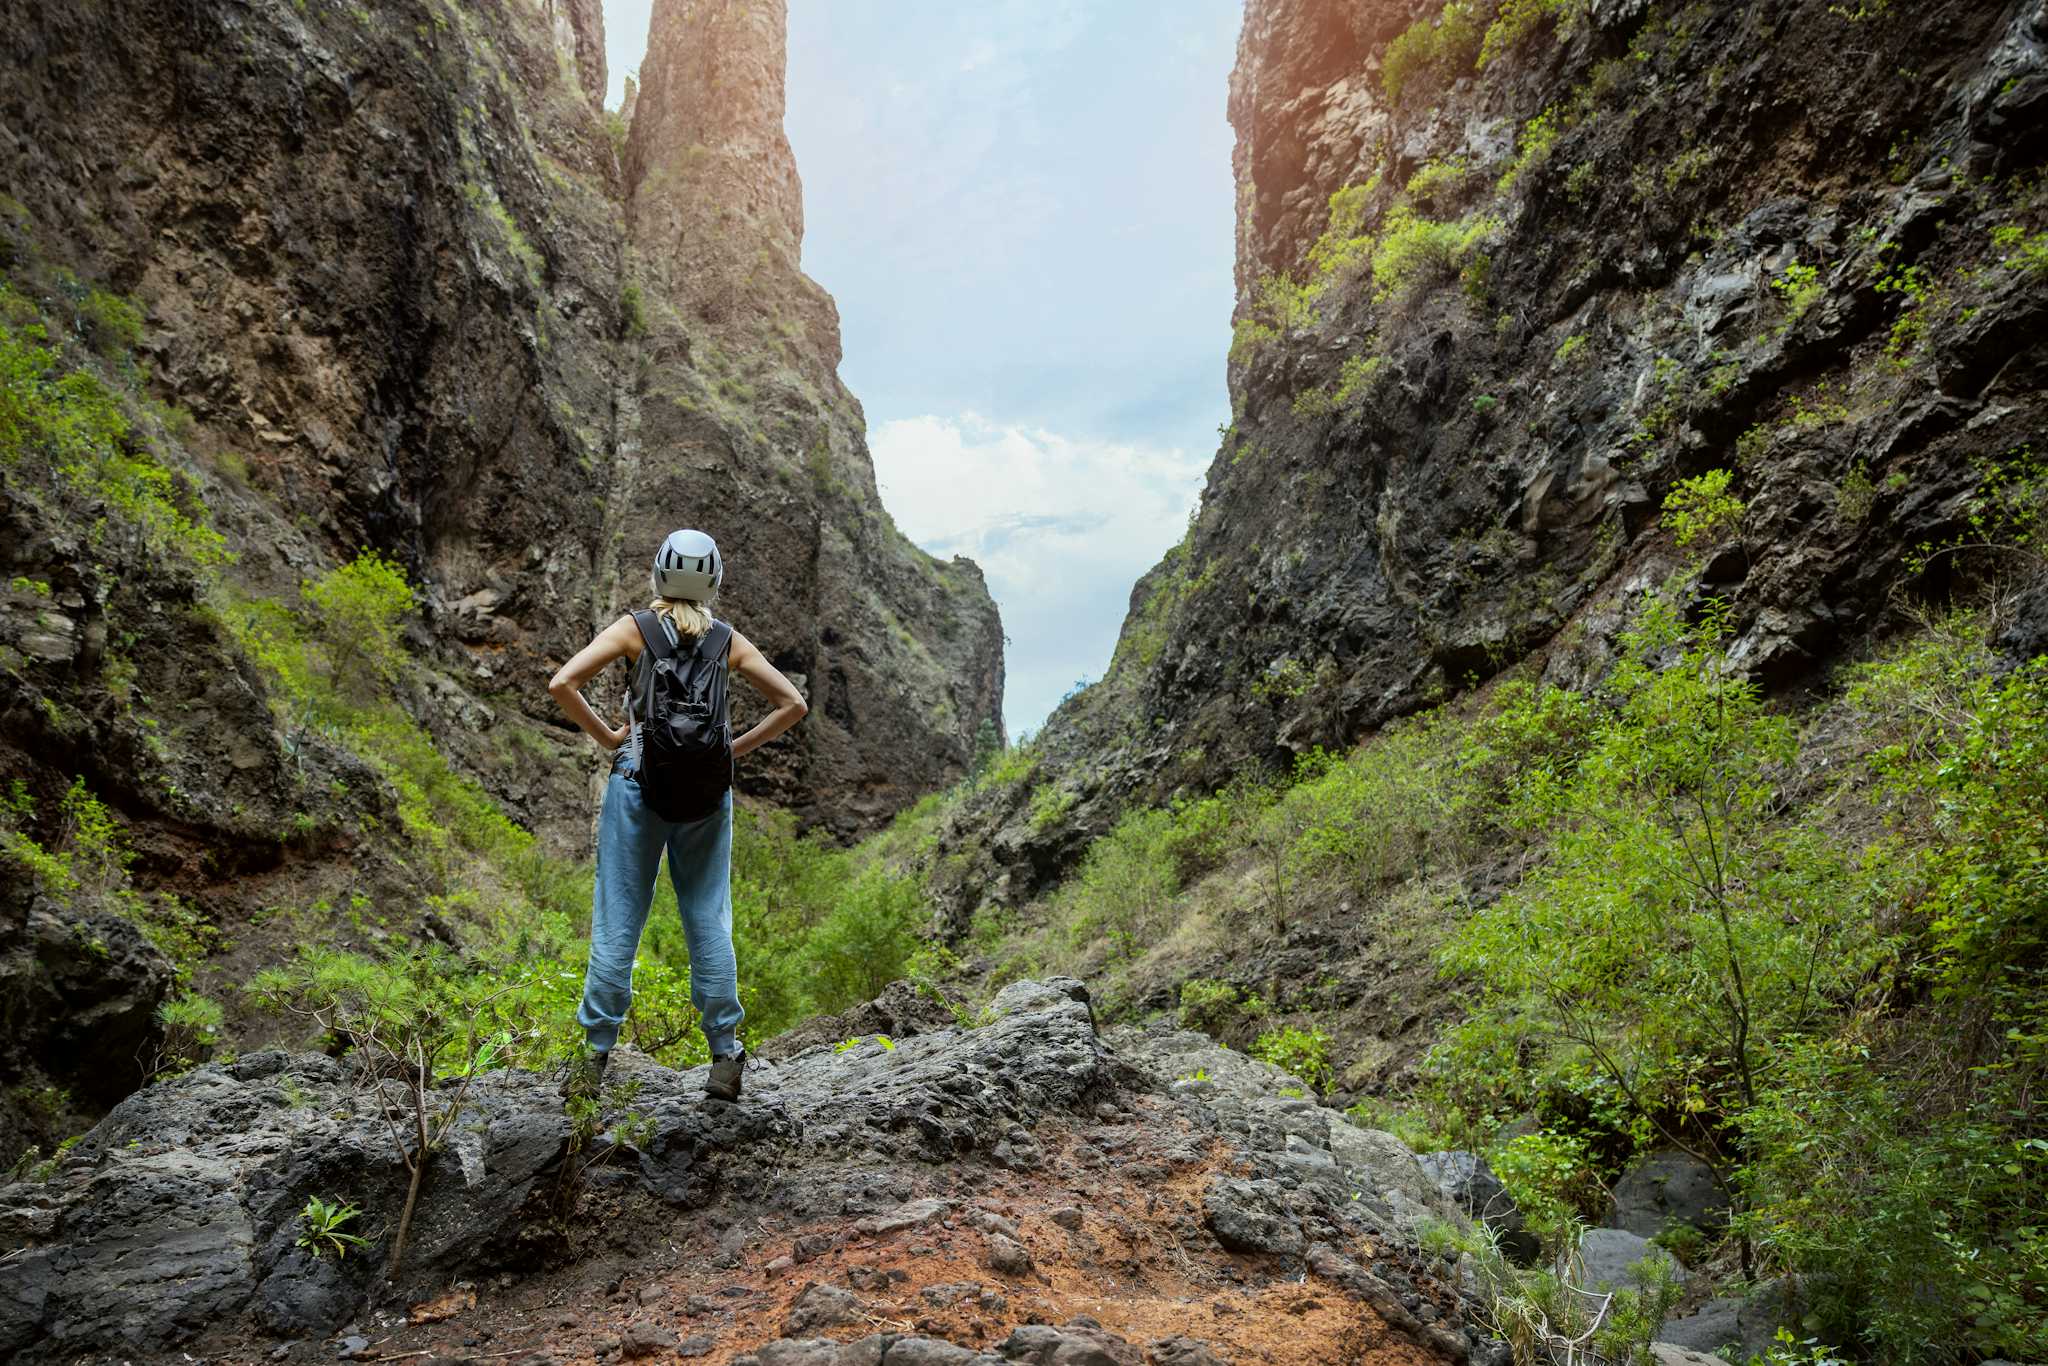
<point>717,642</point>
<point>653,633</point>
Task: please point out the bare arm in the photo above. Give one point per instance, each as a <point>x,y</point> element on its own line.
<point>752,665</point>
<point>614,642</point>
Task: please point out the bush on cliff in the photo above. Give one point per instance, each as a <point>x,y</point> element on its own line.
<point>1848,1031</point>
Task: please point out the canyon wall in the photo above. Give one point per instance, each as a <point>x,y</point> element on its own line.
<point>1499,297</point>
<point>329,277</point>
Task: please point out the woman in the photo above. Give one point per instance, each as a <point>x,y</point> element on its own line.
<point>631,836</point>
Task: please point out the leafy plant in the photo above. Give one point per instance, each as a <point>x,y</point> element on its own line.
<point>1433,50</point>
<point>410,1023</point>
<point>1517,20</point>
<point>61,418</point>
<point>320,1227</point>
<point>2027,251</point>
<point>1304,1052</point>
<point>191,1029</point>
<point>1702,508</point>
<point>1800,287</point>
<point>632,311</point>
<point>357,609</point>
<point>1414,253</point>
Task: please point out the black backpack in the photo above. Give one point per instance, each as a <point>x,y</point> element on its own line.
<point>685,739</point>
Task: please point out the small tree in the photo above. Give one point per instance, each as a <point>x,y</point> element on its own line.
<point>407,1021</point>
<point>1677,934</point>
<point>357,611</point>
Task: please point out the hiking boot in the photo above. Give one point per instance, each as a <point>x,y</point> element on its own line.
<point>586,1077</point>
<point>725,1076</point>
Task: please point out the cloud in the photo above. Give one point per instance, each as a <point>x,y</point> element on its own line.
<point>1062,527</point>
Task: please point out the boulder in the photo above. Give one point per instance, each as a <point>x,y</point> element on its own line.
<point>1667,1187</point>
<point>1607,1257</point>
<point>182,1212</point>
<point>1080,1343</point>
<point>1252,1216</point>
<point>1669,1354</point>
<point>1468,1182</point>
<point>1746,1322</point>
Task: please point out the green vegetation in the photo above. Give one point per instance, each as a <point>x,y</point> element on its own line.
<point>2023,250</point>
<point>531,263</point>
<point>320,1227</point>
<point>1800,287</point>
<point>1437,181</point>
<point>1544,1317</point>
<point>63,422</point>
<point>1819,970</point>
<point>1539,135</point>
<point>1414,253</point>
<point>1702,508</point>
<point>1304,1052</point>
<point>1433,51</point>
<point>84,862</point>
<point>1694,966</point>
<point>357,610</point>
<point>423,1024</point>
<point>192,1027</point>
<point>1049,803</point>
<point>1518,20</point>
<point>632,310</point>
<point>1215,1007</point>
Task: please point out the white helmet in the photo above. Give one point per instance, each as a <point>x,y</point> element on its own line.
<point>688,567</point>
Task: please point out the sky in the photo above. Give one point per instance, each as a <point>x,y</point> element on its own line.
<point>1024,211</point>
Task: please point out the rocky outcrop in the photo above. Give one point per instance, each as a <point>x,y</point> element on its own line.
<point>743,428</point>
<point>393,294</point>
<point>393,290</point>
<point>933,1182</point>
<point>1641,243</point>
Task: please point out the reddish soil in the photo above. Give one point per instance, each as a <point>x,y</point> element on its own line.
<point>1140,1265</point>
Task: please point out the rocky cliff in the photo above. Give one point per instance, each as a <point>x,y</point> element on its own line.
<point>742,425</point>
<point>292,280</point>
<point>1507,278</point>
<point>382,254</point>
<point>1017,1192</point>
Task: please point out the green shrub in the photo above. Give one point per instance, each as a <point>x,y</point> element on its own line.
<point>1800,287</point>
<point>1438,182</point>
<point>66,422</point>
<point>1913,1230</point>
<point>1050,802</point>
<point>1304,1052</point>
<point>1414,254</point>
<point>357,611</point>
<point>1551,1178</point>
<point>1676,931</point>
<point>1384,811</point>
<point>1539,135</point>
<point>1518,19</point>
<point>192,1026</point>
<point>1433,51</point>
<point>865,941</point>
<point>1124,892</point>
<point>1344,242</point>
<point>1215,1007</point>
<point>1521,755</point>
<point>633,311</point>
<point>1009,767</point>
<point>110,323</point>
<point>1702,508</point>
<point>2023,250</point>
<point>1545,1318</point>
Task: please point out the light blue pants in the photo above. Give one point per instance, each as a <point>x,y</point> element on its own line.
<point>630,841</point>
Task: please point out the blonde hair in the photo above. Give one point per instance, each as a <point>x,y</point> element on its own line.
<point>689,618</point>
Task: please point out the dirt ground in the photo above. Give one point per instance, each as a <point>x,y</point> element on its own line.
<point>1121,1244</point>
